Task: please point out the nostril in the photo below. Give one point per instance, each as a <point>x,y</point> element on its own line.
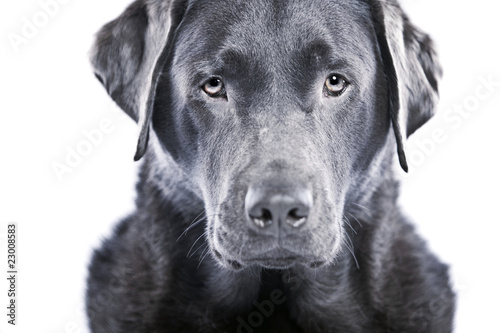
<point>273,209</point>
<point>263,219</point>
<point>296,217</point>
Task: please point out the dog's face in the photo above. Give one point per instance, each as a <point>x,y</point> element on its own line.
<point>274,116</point>
<point>277,112</point>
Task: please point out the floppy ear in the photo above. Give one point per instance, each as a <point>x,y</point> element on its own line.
<point>129,54</point>
<point>412,71</point>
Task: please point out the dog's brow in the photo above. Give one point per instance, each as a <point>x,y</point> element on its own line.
<point>318,48</point>
<point>231,57</point>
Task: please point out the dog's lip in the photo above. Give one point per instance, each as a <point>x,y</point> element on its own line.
<point>278,258</point>
<point>273,263</point>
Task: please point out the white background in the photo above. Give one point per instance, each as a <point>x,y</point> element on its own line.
<point>49,97</point>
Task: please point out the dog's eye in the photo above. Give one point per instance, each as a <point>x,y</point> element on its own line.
<point>335,85</point>
<point>214,87</point>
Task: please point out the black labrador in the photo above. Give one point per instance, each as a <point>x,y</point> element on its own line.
<point>267,200</point>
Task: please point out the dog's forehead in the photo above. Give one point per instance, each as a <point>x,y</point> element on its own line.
<point>274,28</point>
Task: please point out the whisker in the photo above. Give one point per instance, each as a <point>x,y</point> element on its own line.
<point>196,241</point>
<point>194,223</point>
<point>346,221</point>
<point>363,207</point>
<point>356,219</point>
<point>350,248</point>
<point>199,247</point>
<point>203,256</point>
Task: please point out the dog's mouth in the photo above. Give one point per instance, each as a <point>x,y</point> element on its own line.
<point>276,258</point>
<point>236,243</point>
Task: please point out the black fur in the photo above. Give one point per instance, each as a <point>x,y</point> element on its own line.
<point>189,259</point>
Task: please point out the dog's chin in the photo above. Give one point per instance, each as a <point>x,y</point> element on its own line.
<point>277,259</point>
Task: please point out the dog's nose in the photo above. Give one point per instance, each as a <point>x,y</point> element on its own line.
<point>275,209</point>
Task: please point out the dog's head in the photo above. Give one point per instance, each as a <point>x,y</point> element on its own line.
<point>278,112</point>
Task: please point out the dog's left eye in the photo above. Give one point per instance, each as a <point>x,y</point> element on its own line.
<point>214,87</point>
<point>335,85</point>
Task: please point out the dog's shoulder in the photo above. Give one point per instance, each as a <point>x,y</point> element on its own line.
<point>410,284</point>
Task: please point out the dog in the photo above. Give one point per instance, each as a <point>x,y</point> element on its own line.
<point>267,197</point>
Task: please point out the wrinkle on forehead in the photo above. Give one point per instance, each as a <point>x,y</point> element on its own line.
<point>274,35</point>
<point>255,25</point>
<point>279,34</point>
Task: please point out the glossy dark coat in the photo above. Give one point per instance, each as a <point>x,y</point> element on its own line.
<point>191,259</point>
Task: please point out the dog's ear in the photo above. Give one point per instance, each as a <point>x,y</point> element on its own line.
<point>129,54</point>
<point>411,68</point>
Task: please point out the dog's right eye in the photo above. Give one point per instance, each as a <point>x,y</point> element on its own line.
<point>214,87</point>
<point>335,85</point>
